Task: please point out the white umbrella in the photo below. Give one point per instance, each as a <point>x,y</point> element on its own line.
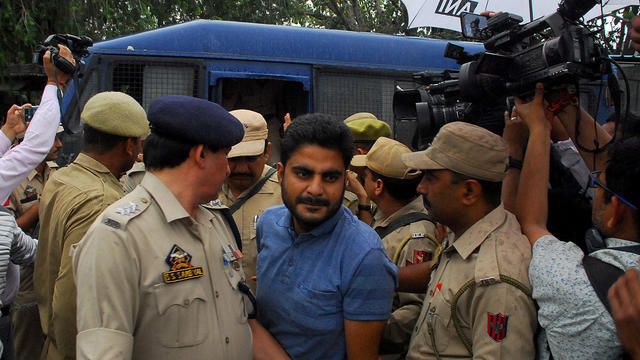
<point>446,13</point>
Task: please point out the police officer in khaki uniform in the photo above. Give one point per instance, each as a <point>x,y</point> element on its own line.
<point>404,226</point>
<point>72,199</point>
<point>134,176</point>
<point>366,129</point>
<point>159,275</point>
<point>252,186</point>
<point>25,322</point>
<point>478,302</point>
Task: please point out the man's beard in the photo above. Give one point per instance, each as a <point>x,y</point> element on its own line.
<point>306,222</point>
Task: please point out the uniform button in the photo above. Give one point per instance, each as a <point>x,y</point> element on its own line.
<point>226,339</point>
<point>144,200</point>
<point>186,301</point>
<point>290,263</point>
<point>217,294</point>
<point>432,310</point>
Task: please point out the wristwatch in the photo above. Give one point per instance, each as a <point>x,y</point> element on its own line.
<point>515,163</point>
<point>368,208</point>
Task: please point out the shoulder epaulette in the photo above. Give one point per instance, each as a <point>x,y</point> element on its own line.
<point>215,205</point>
<point>118,216</point>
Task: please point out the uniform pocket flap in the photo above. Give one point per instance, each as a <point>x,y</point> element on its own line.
<point>182,295</point>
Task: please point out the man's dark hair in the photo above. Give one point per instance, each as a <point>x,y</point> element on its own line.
<point>162,152</point>
<point>317,129</point>
<point>623,172</point>
<point>401,189</point>
<point>99,142</point>
<point>491,190</point>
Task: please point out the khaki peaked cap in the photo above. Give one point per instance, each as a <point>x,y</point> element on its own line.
<point>466,149</point>
<point>255,132</point>
<point>116,113</point>
<point>385,158</point>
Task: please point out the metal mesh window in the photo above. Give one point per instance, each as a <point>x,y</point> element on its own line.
<point>345,94</point>
<point>149,80</point>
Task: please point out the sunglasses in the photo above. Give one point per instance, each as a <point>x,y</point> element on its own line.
<point>594,182</point>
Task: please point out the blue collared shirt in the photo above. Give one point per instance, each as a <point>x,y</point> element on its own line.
<point>308,284</point>
<point>575,322</point>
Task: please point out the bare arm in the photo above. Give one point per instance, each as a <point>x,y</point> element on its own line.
<point>531,203</point>
<point>363,338</point>
<point>586,136</point>
<point>353,185</point>
<point>265,346</point>
<point>27,220</point>
<point>515,135</point>
<point>414,278</point>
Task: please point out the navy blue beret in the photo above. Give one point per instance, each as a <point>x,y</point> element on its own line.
<point>194,120</point>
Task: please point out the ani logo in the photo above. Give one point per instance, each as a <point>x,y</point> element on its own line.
<point>455,7</point>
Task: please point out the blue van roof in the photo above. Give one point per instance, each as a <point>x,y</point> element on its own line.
<point>259,42</point>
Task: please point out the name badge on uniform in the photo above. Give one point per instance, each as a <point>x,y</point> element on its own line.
<point>181,268</point>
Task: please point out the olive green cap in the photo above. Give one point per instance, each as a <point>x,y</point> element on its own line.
<point>366,126</point>
<point>116,113</point>
<point>466,149</point>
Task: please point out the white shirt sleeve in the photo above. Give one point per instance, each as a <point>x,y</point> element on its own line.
<point>17,163</point>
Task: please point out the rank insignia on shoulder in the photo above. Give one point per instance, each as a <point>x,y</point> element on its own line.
<point>127,210</point>
<point>497,326</point>
<point>181,268</point>
<point>417,235</point>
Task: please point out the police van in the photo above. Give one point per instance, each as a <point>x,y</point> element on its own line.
<point>270,69</point>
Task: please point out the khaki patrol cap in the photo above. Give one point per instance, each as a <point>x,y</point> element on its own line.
<point>255,132</point>
<point>466,149</point>
<point>385,158</point>
<point>116,113</point>
<point>366,126</point>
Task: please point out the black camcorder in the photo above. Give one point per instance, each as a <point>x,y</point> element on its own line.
<point>516,58</point>
<point>77,44</point>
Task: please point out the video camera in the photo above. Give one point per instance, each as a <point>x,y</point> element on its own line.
<point>77,44</point>
<point>516,58</point>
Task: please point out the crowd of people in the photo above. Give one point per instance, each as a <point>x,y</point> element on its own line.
<point>170,236</point>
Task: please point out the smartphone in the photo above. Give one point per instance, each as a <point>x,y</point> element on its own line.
<point>28,112</point>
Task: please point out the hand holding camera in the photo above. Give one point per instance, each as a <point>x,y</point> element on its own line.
<point>62,58</point>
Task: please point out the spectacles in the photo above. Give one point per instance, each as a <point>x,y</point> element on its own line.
<point>594,182</point>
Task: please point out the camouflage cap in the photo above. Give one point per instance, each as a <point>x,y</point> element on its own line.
<point>116,113</point>
<point>466,149</point>
<point>385,158</point>
<point>366,126</point>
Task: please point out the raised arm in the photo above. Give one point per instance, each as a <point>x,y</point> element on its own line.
<point>532,203</point>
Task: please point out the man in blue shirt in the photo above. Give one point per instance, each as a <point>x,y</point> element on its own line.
<point>325,283</point>
<point>576,323</point>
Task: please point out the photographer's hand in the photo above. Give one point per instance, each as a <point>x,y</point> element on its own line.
<point>49,67</point>
<point>515,135</point>
<point>14,124</point>
<point>533,113</point>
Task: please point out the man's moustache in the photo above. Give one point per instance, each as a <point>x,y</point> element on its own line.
<point>241,175</point>
<point>308,200</point>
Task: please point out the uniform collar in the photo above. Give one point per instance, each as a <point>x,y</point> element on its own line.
<point>170,206</point>
<point>92,164</point>
<point>416,205</point>
<point>478,232</point>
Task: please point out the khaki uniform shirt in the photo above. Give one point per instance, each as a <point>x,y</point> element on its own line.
<point>153,282</point>
<point>21,200</point>
<point>72,199</point>
<point>350,200</point>
<point>418,248</point>
<point>133,177</point>
<point>247,216</point>
<point>479,271</point>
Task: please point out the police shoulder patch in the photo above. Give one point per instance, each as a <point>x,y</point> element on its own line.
<point>119,214</point>
<point>497,326</point>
